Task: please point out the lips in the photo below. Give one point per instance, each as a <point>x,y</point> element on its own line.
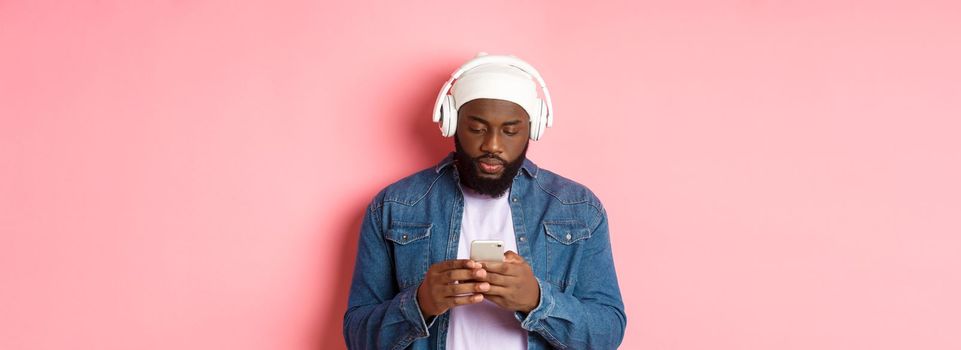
<point>490,166</point>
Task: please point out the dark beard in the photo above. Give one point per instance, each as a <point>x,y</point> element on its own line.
<point>467,169</point>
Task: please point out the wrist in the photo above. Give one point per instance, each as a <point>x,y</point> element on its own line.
<point>421,303</point>
<point>530,307</point>
<point>536,300</point>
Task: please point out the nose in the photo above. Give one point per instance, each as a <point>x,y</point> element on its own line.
<point>492,144</point>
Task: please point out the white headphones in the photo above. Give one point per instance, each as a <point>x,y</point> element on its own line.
<point>445,112</point>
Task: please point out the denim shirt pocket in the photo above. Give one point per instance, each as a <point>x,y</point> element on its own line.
<point>564,246</point>
<point>411,248</point>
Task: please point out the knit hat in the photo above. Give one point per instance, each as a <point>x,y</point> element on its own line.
<point>497,81</point>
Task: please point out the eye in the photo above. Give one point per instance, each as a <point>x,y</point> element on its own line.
<point>475,130</point>
<point>510,132</point>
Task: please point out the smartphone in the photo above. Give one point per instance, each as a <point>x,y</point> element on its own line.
<point>482,250</point>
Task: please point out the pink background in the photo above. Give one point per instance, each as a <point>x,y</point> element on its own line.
<point>192,174</point>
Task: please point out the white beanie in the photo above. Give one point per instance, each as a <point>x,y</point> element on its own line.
<point>497,81</point>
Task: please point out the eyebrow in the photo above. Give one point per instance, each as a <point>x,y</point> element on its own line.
<point>482,120</point>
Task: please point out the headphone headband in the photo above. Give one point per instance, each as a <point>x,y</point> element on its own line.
<point>484,59</point>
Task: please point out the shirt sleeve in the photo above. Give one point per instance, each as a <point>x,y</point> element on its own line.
<point>589,315</point>
<point>379,316</point>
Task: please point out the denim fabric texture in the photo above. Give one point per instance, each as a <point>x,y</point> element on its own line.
<point>561,230</point>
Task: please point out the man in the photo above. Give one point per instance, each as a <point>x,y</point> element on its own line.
<point>414,285</point>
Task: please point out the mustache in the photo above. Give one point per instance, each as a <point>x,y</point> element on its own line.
<point>491,156</point>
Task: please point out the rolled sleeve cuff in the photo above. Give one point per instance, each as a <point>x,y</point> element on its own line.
<point>531,320</point>
<point>411,311</point>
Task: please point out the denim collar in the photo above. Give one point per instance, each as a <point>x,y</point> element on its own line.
<point>529,167</point>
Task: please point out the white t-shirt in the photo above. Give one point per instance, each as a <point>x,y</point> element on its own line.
<point>485,325</point>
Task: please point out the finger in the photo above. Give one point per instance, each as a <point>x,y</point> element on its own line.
<point>467,288</point>
<point>465,300</point>
<point>498,279</point>
<point>459,275</point>
<point>511,256</point>
<point>505,269</point>
<point>456,264</point>
<point>495,267</point>
<point>479,274</point>
<point>496,290</point>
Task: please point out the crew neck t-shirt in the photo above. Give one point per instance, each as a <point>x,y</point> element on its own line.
<point>485,325</point>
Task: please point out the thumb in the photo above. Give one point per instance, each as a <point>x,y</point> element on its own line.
<point>511,256</point>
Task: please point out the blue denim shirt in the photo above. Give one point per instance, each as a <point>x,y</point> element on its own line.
<point>561,230</point>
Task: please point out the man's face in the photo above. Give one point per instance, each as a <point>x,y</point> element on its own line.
<point>491,140</point>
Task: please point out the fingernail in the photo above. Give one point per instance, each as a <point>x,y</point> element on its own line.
<point>484,287</point>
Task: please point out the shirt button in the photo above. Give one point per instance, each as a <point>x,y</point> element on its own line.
<point>404,237</point>
<point>514,199</point>
<point>522,239</point>
<point>568,236</point>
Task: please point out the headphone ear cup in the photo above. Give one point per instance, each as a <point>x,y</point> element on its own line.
<point>537,123</point>
<point>448,117</point>
<point>544,119</point>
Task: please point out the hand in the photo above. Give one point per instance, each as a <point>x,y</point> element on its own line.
<point>439,292</point>
<point>512,284</point>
